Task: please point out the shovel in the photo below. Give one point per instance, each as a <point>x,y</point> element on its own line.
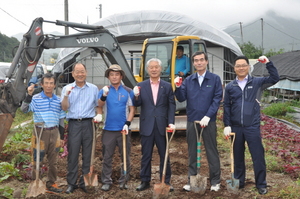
<point>198,182</point>
<point>233,184</point>
<point>37,187</point>
<point>162,189</point>
<point>91,179</point>
<point>124,158</point>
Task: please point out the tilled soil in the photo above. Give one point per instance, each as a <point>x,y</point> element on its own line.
<point>179,162</point>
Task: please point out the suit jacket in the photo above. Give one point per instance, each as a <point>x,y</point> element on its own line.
<point>163,113</point>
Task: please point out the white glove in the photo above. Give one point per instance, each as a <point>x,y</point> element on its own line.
<point>263,59</point>
<point>227,131</point>
<point>136,91</point>
<point>172,126</point>
<point>105,91</point>
<point>125,129</point>
<point>98,118</point>
<point>178,81</point>
<point>204,121</point>
<point>68,90</point>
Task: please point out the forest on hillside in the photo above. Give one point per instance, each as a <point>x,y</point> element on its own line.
<point>8,46</point>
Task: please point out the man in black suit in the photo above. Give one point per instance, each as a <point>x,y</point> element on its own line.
<point>157,102</point>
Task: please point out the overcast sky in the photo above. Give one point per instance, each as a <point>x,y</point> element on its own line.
<point>16,16</point>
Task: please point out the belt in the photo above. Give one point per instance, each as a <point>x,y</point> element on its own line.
<point>80,119</point>
<point>50,128</point>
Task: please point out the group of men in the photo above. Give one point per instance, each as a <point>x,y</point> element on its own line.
<point>116,104</point>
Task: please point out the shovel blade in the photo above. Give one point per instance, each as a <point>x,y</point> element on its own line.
<point>198,184</point>
<point>91,179</point>
<point>161,190</point>
<point>36,188</point>
<point>233,185</point>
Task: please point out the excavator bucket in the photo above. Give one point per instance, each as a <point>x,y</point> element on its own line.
<point>5,124</point>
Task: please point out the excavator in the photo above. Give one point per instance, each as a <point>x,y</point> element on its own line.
<point>34,42</point>
<point>99,41</point>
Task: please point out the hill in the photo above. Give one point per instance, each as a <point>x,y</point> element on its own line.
<point>278,32</point>
<point>7,45</point>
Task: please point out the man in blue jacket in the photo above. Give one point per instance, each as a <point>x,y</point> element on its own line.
<point>242,116</point>
<point>203,94</point>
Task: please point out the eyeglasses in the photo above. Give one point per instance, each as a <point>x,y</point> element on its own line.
<point>241,66</point>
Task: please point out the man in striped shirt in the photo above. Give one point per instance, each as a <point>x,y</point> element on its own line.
<point>80,100</point>
<point>47,109</point>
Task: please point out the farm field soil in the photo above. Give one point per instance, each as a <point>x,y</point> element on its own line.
<point>179,161</point>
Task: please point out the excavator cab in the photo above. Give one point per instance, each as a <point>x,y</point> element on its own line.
<point>165,48</point>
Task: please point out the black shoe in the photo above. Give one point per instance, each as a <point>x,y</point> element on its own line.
<point>105,187</point>
<point>171,187</point>
<point>262,191</point>
<point>83,188</point>
<point>143,186</point>
<point>70,189</point>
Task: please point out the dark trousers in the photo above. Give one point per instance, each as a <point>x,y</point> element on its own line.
<point>111,139</point>
<point>49,145</point>
<point>209,138</point>
<point>80,136</point>
<point>147,143</point>
<point>252,136</point>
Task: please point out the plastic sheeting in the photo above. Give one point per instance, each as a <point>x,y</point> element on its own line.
<point>287,85</point>
<point>169,23</point>
<point>150,23</point>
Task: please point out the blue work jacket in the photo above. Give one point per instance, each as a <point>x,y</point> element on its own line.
<point>201,101</point>
<point>242,107</point>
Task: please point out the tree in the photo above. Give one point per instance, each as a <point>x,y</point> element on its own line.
<point>253,52</point>
<point>250,50</point>
<point>272,52</point>
<point>7,45</point>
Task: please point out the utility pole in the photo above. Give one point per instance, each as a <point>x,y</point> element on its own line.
<point>262,35</point>
<point>242,37</point>
<point>100,10</point>
<point>66,16</point>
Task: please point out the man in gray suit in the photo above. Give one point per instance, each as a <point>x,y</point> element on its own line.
<point>157,102</point>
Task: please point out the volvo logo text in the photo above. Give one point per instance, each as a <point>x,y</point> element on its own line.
<point>87,40</point>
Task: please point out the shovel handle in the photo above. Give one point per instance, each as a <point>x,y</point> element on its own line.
<point>199,143</point>
<point>38,150</point>
<point>231,150</point>
<point>167,152</point>
<point>124,153</point>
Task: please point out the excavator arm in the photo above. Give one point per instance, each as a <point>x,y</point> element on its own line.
<point>13,91</point>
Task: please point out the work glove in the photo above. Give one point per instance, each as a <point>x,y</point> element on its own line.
<point>263,59</point>
<point>178,81</point>
<point>68,90</point>
<point>204,121</point>
<point>98,118</point>
<point>227,131</point>
<point>172,127</point>
<point>105,91</point>
<point>136,91</point>
<point>125,129</point>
